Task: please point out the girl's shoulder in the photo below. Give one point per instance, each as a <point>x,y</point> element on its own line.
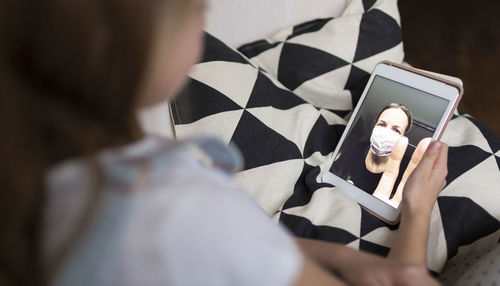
<point>157,159</point>
<point>158,172</point>
<point>161,153</point>
<point>147,162</point>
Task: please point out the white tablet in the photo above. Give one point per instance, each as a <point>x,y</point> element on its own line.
<point>399,113</point>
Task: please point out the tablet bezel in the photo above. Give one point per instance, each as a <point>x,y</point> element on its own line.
<point>412,78</point>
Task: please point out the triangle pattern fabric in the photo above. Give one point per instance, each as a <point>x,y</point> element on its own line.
<point>474,222</point>
<point>275,185</point>
<point>265,93</point>
<point>342,113</point>
<point>308,27</point>
<point>304,188</point>
<point>320,69</point>
<point>221,125</point>
<point>216,50</point>
<point>292,123</point>
<point>461,132</point>
<point>462,159</point>
<point>354,244</point>
<point>370,222</point>
<point>367,4</point>
<point>438,248</point>
<point>386,36</point>
<point>356,83</point>
<point>303,227</point>
<point>332,117</point>
<point>269,59</point>
<point>373,248</point>
<point>492,138</point>
<point>346,218</point>
<point>260,145</point>
<point>234,80</point>
<point>314,62</point>
<point>256,48</point>
<point>486,178</point>
<point>368,64</point>
<point>321,94</point>
<point>320,161</point>
<point>357,79</point>
<point>329,134</point>
<point>353,8</point>
<point>382,236</point>
<point>342,45</point>
<point>198,101</point>
<point>324,83</point>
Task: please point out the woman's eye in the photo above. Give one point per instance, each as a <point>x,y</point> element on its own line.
<point>397,131</point>
<point>381,124</point>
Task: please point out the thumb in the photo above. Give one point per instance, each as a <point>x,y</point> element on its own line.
<point>430,156</point>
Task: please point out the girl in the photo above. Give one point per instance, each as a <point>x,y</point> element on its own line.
<point>87,201</point>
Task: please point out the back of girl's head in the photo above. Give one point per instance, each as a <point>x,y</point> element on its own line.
<point>70,71</point>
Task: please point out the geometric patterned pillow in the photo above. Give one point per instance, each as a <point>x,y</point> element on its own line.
<point>274,109</point>
<point>469,205</point>
<point>328,61</point>
<point>320,69</point>
<point>275,130</point>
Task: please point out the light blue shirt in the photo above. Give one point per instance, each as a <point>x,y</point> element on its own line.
<point>168,214</point>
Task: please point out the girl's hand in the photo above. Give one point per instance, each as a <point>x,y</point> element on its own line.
<point>363,269</point>
<point>415,159</point>
<point>426,181</point>
<point>419,196</point>
<point>391,172</point>
<point>368,270</point>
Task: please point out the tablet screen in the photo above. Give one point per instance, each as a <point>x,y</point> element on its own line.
<point>387,138</point>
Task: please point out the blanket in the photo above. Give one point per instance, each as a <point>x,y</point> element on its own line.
<point>284,101</point>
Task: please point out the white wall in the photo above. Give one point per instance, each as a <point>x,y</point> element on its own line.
<point>241,21</point>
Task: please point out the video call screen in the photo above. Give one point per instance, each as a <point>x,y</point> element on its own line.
<point>387,138</point>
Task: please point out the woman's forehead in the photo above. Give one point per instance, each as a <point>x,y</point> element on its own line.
<point>394,116</point>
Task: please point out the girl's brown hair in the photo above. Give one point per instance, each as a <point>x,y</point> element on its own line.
<point>70,72</point>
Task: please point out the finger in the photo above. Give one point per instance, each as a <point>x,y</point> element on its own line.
<point>398,195</point>
<point>415,159</point>
<point>423,279</point>
<point>440,167</point>
<point>384,188</point>
<point>430,282</point>
<point>399,149</point>
<point>392,165</point>
<point>430,156</point>
<point>433,282</point>
<point>420,150</point>
<point>417,278</point>
<point>391,171</point>
<point>442,159</point>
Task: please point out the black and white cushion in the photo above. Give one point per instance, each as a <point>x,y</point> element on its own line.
<point>328,61</point>
<point>285,110</point>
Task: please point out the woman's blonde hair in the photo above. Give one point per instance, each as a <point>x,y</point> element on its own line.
<point>70,71</point>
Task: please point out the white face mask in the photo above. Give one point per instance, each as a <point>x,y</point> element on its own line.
<point>383,140</point>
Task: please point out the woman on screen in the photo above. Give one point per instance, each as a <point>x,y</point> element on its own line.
<point>392,123</point>
<point>382,155</point>
<point>388,145</point>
